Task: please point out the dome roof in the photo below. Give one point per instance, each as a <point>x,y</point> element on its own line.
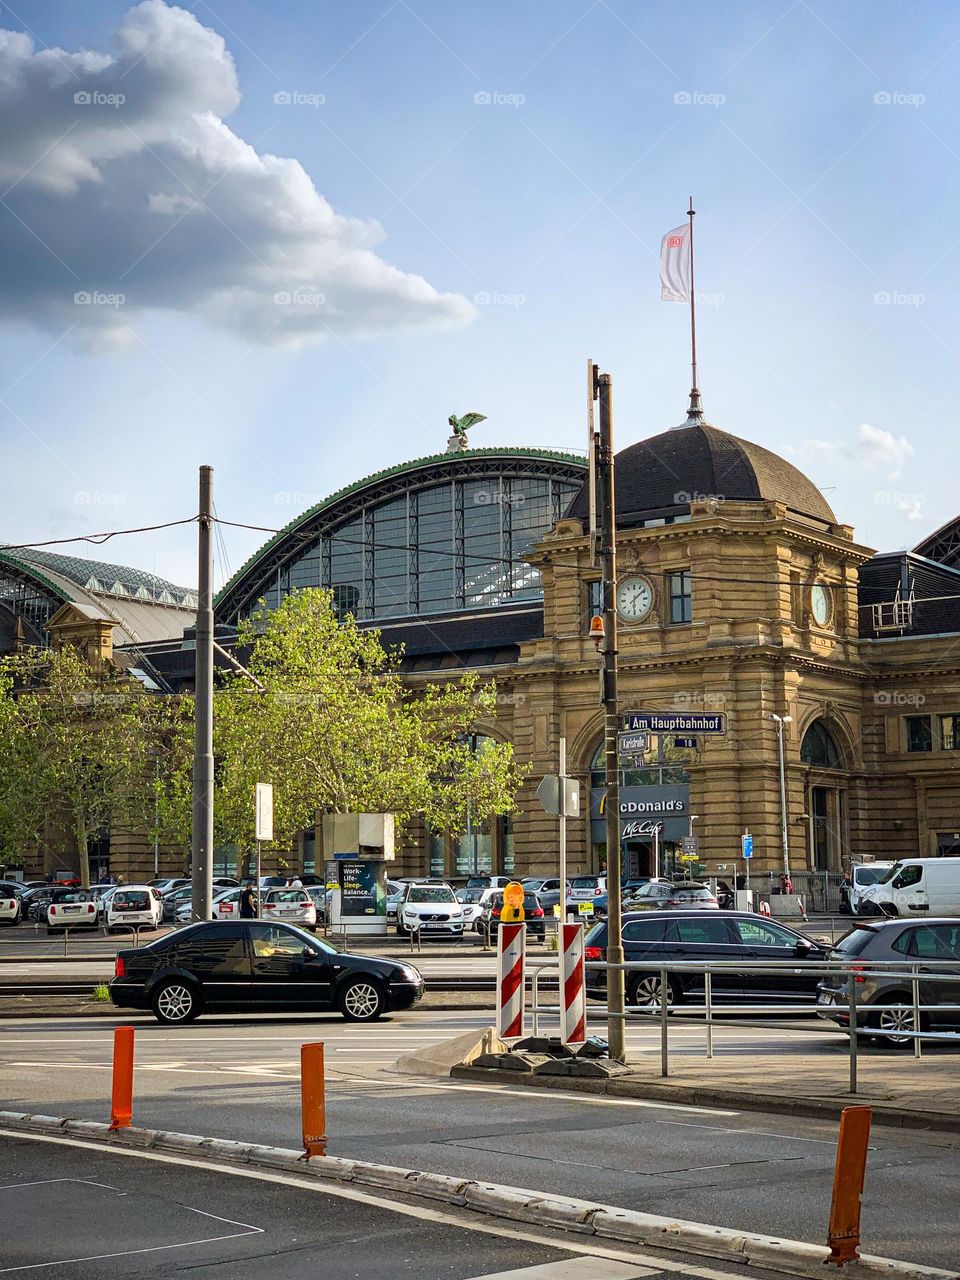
<point>662,475</point>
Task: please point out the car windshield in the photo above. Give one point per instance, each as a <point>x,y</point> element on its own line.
<point>584,882</point>
<point>869,875</point>
<point>697,892</point>
<point>132,897</point>
<point>854,942</point>
<point>76,896</point>
<point>285,895</point>
<point>888,874</point>
<point>431,893</point>
<point>469,895</point>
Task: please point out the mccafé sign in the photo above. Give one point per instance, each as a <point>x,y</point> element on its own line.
<point>644,810</point>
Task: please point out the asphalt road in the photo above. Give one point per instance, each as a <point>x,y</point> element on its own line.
<point>238,1077</point>
<point>71,1210</point>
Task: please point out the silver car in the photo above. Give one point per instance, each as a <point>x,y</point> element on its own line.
<point>884,998</point>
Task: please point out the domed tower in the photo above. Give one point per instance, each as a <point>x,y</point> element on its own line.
<point>736,598</point>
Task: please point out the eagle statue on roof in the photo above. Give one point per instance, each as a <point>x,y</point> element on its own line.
<point>462,425</point>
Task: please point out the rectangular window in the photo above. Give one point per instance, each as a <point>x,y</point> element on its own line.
<point>919,736</point>
<point>594,598</point>
<point>950,733</point>
<point>679,593</point>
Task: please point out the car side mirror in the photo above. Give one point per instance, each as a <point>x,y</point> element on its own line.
<point>803,946</point>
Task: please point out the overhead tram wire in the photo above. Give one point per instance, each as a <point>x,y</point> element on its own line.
<point>98,539</point>
<point>560,564</point>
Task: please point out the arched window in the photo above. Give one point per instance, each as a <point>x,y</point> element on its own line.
<point>819,748</point>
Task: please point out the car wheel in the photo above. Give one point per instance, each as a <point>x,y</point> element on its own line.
<point>176,1001</point>
<point>644,992</point>
<point>893,1019</point>
<point>362,1000</point>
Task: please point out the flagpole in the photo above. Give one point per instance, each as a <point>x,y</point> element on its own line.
<point>694,411</point>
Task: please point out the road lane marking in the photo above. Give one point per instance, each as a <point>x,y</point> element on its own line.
<point>423,1212</point>
<point>573,1269</point>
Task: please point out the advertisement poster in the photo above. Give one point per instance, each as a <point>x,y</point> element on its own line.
<point>361,888</point>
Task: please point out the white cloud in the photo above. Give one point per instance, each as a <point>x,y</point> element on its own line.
<point>124,182</point>
<point>883,449</point>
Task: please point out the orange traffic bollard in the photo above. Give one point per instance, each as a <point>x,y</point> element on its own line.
<point>313,1102</point>
<point>121,1100</point>
<point>848,1178</point>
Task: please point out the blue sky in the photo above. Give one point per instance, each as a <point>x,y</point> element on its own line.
<point>819,141</point>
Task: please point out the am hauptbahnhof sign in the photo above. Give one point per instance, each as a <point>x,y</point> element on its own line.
<point>674,722</point>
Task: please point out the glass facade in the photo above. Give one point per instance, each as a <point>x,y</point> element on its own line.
<point>456,544</point>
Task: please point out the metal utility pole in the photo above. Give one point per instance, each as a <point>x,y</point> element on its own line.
<point>611,718</point>
<point>781,721</point>
<point>202,865</point>
<point>563,834</point>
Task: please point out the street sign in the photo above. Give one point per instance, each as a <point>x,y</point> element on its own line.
<point>690,845</point>
<point>264,811</point>
<point>562,801</point>
<point>689,857</point>
<point>685,722</point>
<point>746,846</point>
<point>631,744</point>
<point>585,908</point>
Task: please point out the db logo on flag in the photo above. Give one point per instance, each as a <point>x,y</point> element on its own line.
<point>674,242</point>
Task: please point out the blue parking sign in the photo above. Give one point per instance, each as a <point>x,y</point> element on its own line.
<point>746,845</point>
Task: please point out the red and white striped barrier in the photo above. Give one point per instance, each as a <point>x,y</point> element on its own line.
<point>573,1019</point>
<point>511,957</point>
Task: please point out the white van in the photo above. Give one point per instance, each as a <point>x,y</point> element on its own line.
<point>863,874</point>
<point>916,887</point>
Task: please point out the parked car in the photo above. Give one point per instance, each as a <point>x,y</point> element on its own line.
<point>533,916</point>
<point>674,895</point>
<point>35,902</point>
<point>430,908</point>
<point>914,885</point>
<point>931,946</point>
<point>320,896</point>
<point>225,906</point>
<point>393,904</point>
<point>220,966</point>
<point>72,909</point>
<point>861,875</point>
<point>547,889</point>
<point>584,889</point>
<point>134,904</point>
<point>12,887</point>
<point>488,882</point>
<point>294,906</point>
<point>473,901</point>
<point>9,907</point>
<point>167,884</point>
<point>174,899</point>
<point>656,938</point>
<point>273,882</point>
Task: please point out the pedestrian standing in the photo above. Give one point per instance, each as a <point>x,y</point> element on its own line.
<point>248,905</point>
<point>295,883</point>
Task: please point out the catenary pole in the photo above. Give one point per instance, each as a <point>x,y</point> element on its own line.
<point>203,695</point>
<point>611,723</point>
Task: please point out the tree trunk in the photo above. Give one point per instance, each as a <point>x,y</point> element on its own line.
<point>80,833</point>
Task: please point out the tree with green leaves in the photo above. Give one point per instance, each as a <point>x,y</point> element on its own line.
<point>75,749</point>
<point>328,720</point>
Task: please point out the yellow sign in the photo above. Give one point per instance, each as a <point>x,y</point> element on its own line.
<point>585,908</point>
<point>512,903</point>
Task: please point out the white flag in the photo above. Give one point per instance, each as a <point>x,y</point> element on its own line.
<point>675,265</point>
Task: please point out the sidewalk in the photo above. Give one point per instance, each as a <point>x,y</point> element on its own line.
<point>903,1092</point>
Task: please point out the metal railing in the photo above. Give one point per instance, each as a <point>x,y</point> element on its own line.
<point>859,1022</point>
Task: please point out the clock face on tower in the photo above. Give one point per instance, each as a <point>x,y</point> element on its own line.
<point>634,599</point>
<point>821,604</point>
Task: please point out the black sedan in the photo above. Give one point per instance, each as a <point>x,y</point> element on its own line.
<point>652,939</point>
<point>257,967</point>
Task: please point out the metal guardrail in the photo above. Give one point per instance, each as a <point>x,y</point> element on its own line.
<point>664,1007</point>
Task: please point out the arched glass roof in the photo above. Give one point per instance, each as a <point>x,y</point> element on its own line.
<point>436,535</point>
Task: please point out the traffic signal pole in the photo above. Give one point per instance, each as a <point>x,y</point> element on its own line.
<point>611,719</point>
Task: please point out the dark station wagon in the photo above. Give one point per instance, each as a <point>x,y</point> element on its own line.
<point>256,966</point>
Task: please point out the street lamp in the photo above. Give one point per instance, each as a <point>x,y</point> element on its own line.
<point>780,722</point>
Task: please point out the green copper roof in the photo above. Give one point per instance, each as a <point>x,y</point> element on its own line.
<point>100,575</point>
<point>378,476</point>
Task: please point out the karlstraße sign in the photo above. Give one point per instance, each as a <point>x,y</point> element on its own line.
<point>675,722</point>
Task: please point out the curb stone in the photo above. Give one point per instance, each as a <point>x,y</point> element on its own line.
<point>790,1257</point>
<point>706,1096</point>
